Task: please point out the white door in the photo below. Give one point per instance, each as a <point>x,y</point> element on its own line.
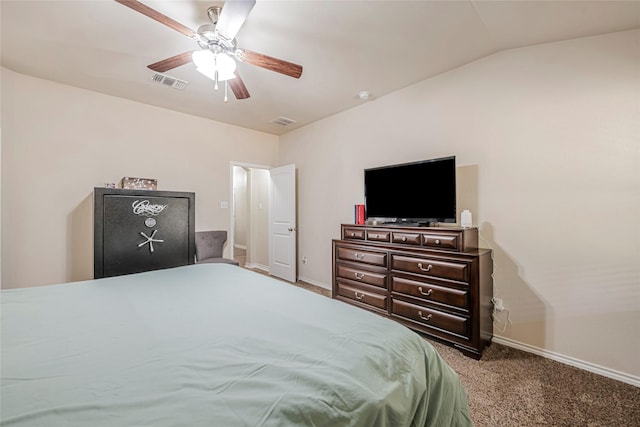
<point>282,223</point>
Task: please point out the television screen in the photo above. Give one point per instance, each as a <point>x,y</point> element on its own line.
<point>422,191</point>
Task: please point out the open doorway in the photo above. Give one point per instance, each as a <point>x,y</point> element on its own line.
<point>249,227</point>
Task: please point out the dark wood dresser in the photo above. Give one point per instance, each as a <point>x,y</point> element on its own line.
<point>434,280</point>
<point>138,230</point>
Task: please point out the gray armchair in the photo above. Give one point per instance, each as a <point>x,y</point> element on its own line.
<point>209,247</point>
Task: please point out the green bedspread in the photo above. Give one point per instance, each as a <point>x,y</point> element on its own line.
<point>213,345</point>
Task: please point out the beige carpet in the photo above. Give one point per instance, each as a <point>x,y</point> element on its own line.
<point>513,388</point>
<point>509,387</point>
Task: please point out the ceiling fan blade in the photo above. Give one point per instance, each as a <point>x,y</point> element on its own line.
<point>238,87</point>
<point>154,14</point>
<point>233,15</point>
<point>269,62</point>
<point>171,63</point>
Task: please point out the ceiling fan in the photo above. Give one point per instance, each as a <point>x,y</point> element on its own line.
<point>218,52</point>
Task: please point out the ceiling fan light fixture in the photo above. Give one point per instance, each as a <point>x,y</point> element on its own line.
<point>216,66</point>
<point>226,66</point>
<point>203,58</point>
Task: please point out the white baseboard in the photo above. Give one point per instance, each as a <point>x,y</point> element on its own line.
<point>587,366</point>
<point>257,266</point>
<point>301,278</point>
<point>315,283</point>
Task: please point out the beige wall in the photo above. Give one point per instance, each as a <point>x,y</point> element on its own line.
<point>0,204</point>
<point>258,254</point>
<point>547,141</point>
<point>59,142</point>
<point>240,206</point>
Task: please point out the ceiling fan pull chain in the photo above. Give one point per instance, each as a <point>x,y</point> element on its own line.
<point>225,91</point>
<point>215,65</point>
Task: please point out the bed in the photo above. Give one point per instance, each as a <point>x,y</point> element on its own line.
<point>214,345</point>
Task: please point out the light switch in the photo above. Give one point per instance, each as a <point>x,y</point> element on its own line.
<point>224,204</point>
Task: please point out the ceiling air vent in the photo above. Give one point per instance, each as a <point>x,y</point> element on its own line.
<point>169,81</point>
<point>282,121</point>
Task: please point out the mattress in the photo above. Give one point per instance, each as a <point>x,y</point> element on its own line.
<point>214,345</point>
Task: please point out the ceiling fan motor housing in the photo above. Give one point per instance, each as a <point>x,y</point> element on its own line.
<point>208,38</point>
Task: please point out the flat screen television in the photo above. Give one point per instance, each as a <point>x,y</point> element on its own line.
<point>418,192</point>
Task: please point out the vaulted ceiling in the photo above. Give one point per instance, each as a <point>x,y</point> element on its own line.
<point>344,46</point>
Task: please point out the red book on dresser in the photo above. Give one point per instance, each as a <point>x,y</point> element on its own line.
<point>359,214</point>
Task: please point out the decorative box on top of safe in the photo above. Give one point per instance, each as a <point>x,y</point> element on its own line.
<point>138,183</point>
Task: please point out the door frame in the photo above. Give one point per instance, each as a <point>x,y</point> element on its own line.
<point>232,224</point>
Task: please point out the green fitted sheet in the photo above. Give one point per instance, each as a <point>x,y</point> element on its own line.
<point>213,345</point>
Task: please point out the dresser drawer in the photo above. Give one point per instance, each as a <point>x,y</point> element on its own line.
<point>353,234</point>
<point>378,236</point>
<point>368,257</point>
<point>442,241</point>
<point>431,267</point>
<point>362,296</point>
<point>406,238</point>
<point>429,317</point>
<point>358,275</point>
<point>429,292</point>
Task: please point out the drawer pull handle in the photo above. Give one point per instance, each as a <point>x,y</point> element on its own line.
<point>353,234</point>
<point>359,276</point>
<point>359,256</point>
<point>404,239</point>
<point>429,267</point>
<point>359,297</point>
<point>423,317</point>
<point>426,294</point>
<point>437,241</point>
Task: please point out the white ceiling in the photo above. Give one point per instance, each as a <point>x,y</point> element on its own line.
<point>344,47</point>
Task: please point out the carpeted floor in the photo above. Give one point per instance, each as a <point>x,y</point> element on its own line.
<point>513,388</point>
<point>509,387</point>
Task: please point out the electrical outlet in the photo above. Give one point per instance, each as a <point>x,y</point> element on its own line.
<point>497,304</point>
<point>304,259</point>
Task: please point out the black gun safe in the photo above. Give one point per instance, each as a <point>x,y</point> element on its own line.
<point>141,230</point>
